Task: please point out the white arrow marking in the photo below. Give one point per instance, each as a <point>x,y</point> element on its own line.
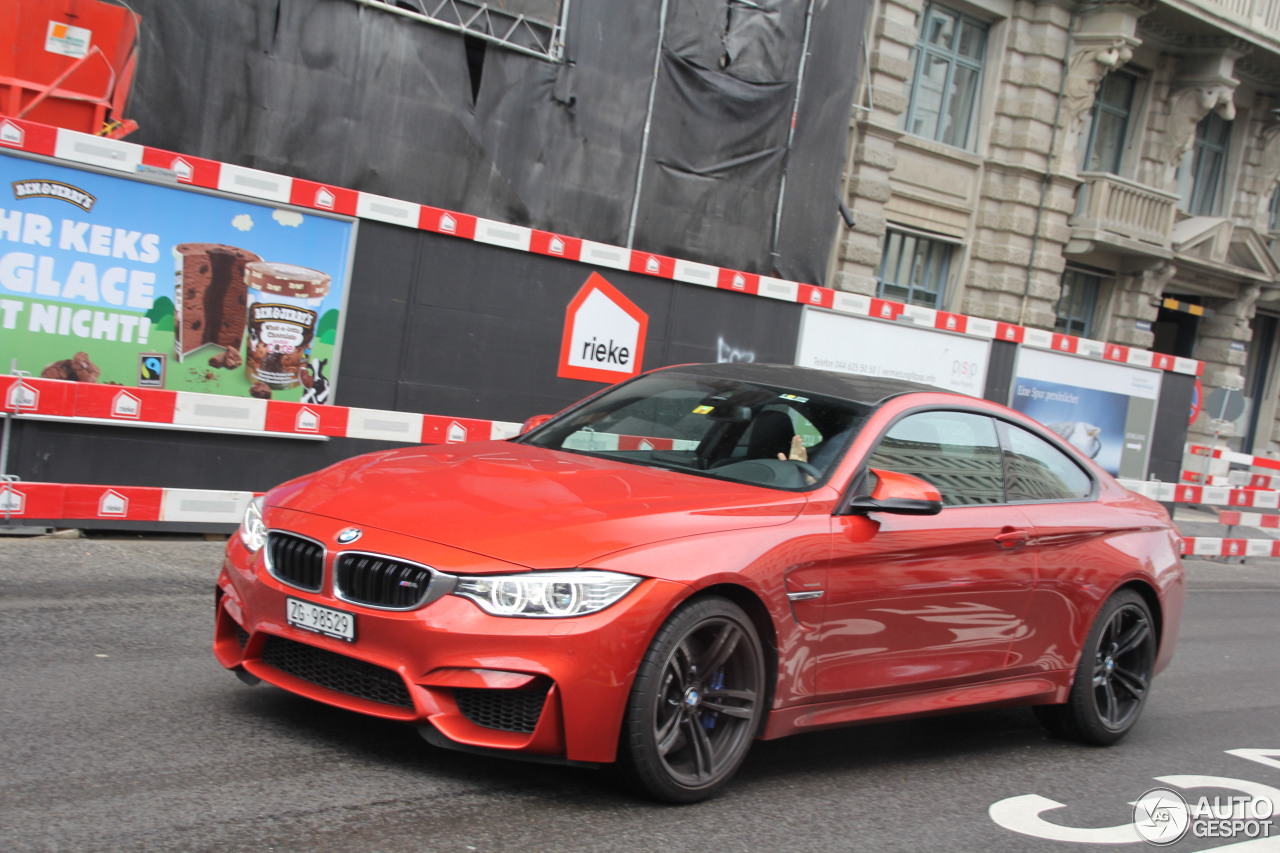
<point>1268,757</point>
<point>1022,814</point>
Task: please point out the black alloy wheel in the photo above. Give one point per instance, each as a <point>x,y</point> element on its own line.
<point>696,704</point>
<point>1114,676</point>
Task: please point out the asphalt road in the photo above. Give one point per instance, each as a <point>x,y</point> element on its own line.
<point>119,732</point>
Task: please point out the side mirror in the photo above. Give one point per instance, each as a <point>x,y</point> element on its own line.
<point>534,422</point>
<point>900,494</point>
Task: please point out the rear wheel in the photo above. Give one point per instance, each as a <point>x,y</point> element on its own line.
<point>696,703</point>
<point>1113,678</point>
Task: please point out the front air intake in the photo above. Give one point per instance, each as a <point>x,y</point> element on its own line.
<point>376,581</point>
<point>296,561</point>
<point>336,672</point>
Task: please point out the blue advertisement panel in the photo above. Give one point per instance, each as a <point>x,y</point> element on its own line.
<point>108,279</point>
<point>1106,410</point>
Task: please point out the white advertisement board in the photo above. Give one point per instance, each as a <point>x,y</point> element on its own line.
<point>1105,409</point>
<point>866,347</point>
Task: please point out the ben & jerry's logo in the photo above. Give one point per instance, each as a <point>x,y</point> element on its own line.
<point>53,189</point>
<point>264,312</point>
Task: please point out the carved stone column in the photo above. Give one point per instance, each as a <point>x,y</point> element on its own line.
<point>1089,63</point>
<point>1103,41</point>
<point>1187,107</point>
<point>1270,166</point>
<point>1221,344</point>
<point>1204,84</point>
<point>1138,297</point>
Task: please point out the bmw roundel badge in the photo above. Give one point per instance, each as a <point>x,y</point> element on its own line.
<point>349,535</point>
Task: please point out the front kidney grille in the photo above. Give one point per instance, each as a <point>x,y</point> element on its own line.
<point>507,710</point>
<point>296,561</point>
<point>336,672</point>
<point>380,581</point>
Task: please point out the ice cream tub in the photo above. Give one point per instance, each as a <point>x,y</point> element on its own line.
<point>282,313</point>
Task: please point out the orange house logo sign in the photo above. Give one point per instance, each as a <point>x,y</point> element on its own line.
<point>604,334</point>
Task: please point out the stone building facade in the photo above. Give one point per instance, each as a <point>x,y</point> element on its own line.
<point>1107,169</point>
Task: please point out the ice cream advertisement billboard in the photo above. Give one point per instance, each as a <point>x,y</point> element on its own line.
<point>1106,410</point>
<point>118,281</point>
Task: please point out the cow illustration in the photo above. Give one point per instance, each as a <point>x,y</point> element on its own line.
<point>316,383</point>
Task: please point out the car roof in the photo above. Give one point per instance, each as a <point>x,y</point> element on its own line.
<point>868,390</point>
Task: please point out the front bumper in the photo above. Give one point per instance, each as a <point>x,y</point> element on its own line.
<point>553,688</point>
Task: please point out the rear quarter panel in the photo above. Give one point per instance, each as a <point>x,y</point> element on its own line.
<point>1085,552</point>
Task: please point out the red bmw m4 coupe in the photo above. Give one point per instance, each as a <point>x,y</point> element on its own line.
<point>704,556</point>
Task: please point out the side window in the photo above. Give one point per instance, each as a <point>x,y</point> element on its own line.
<point>1038,471</point>
<point>957,452</point>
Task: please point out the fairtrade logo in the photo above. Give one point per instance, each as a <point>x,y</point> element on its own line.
<point>151,370</point>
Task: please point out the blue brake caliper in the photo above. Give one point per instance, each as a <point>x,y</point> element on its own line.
<point>716,683</point>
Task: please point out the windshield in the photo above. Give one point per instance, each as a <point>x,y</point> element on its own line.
<point>722,428</point>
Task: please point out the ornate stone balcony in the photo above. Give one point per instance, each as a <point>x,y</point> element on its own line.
<point>1124,216</point>
<point>1262,16</point>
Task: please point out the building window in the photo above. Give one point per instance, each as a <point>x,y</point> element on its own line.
<point>948,76</point>
<point>1201,176</point>
<point>1077,303</point>
<point>1105,134</point>
<point>914,269</point>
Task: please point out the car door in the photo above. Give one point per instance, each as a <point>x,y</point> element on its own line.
<point>1080,545</point>
<point>915,601</point>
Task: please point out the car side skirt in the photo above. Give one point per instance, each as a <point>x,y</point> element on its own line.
<point>1040,689</point>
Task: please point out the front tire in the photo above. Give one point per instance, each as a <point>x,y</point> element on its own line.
<point>696,704</point>
<point>1113,678</point>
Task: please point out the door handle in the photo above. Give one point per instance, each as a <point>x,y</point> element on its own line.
<point>1012,538</point>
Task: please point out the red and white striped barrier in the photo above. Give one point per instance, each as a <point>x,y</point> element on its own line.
<point>1220,546</point>
<point>1235,518</point>
<point>1244,479</point>
<point>118,156</point>
<point>1185,493</point>
<point>22,501</point>
<point>1240,479</point>
<point>62,400</point>
<point>1231,456</point>
<point>59,502</point>
<point>1204,546</point>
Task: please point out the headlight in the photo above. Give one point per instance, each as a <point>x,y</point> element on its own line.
<point>253,531</point>
<point>546,594</point>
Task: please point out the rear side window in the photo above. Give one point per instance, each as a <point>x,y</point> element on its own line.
<point>956,452</point>
<point>1038,471</point>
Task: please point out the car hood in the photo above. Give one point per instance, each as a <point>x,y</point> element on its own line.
<point>528,505</point>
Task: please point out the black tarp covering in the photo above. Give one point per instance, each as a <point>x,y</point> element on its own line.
<point>722,142</point>
<point>360,97</point>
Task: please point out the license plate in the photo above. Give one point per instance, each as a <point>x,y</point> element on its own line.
<point>322,620</point>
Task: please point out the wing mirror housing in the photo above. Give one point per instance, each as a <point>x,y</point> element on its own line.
<point>534,422</point>
<point>896,493</point>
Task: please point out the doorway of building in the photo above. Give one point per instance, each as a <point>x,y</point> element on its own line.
<point>1258,373</point>
<point>1175,328</point>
